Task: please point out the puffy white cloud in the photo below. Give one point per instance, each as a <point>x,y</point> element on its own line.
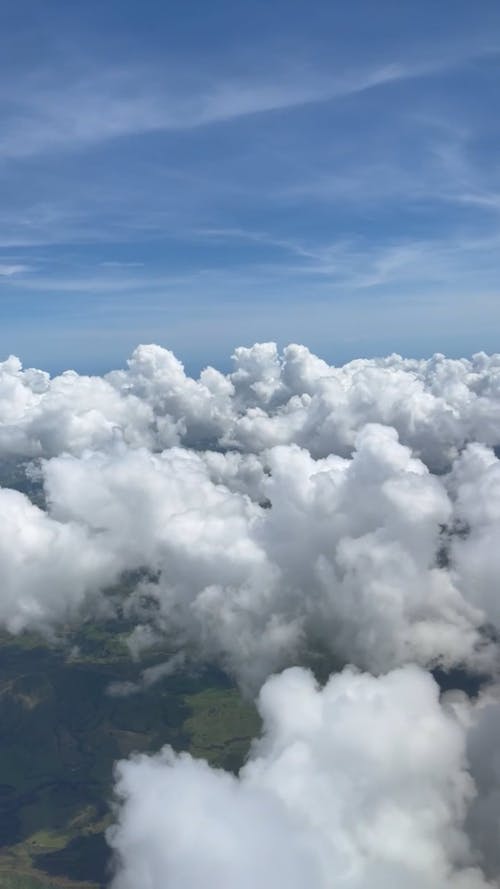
<point>40,416</point>
<point>357,541</point>
<point>344,562</point>
<point>483,751</point>
<point>474,486</point>
<point>260,560</point>
<point>436,405</point>
<point>164,512</point>
<point>288,512</point>
<point>361,784</point>
<point>48,569</point>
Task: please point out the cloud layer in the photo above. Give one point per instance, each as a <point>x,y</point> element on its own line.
<point>436,405</point>
<point>286,513</point>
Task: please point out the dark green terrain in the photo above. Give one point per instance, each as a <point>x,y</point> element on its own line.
<point>61,731</point>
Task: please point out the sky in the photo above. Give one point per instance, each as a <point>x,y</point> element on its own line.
<point>205,175</point>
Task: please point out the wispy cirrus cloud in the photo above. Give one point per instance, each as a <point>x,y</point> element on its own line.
<point>41,115</point>
<point>350,167</point>
<point>8,270</point>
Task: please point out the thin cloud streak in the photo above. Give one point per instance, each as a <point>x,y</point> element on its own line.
<point>113,104</point>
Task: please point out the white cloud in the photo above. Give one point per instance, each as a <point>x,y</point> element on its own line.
<point>288,512</point>
<point>90,109</point>
<point>361,784</point>
<point>49,570</point>
<point>8,270</point>
<point>344,562</point>
<point>322,534</point>
<point>436,405</point>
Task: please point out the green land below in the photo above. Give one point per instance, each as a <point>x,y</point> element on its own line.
<point>61,732</point>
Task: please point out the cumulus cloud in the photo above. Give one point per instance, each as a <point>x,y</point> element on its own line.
<point>436,405</point>
<point>262,558</point>
<point>289,512</point>
<point>483,819</point>
<point>337,556</point>
<point>363,783</point>
<point>48,569</point>
<point>475,485</point>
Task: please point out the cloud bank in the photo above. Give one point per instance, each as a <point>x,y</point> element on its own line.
<point>286,513</point>
<point>436,405</point>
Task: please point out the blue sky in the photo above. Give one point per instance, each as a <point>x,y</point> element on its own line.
<point>208,174</point>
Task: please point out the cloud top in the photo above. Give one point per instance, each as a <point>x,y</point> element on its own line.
<point>289,512</point>
<point>285,511</point>
<point>361,784</point>
<point>436,405</point>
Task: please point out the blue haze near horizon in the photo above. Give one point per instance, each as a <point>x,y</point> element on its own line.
<point>204,175</point>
